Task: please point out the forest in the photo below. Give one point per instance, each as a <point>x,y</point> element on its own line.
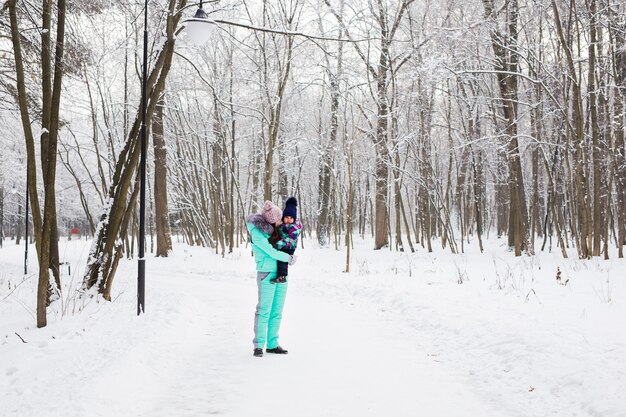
<point>419,123</point>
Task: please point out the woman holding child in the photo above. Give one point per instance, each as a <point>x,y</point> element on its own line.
<point>273,245</point>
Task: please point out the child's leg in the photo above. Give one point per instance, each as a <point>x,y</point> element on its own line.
<point>282,268</point>
<point>281,272</point>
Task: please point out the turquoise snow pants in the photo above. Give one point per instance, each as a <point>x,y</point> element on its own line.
<point>269,310</point>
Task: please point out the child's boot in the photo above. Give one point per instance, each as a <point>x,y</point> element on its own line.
<point>281,279</point>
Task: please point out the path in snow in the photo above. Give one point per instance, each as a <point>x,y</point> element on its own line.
<point>342,362</point>
<point>363,344</point>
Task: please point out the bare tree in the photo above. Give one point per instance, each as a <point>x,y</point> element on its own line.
<point>387,22</point>
<point>506,64</point>
<point>107,249</point>
<point>52,70</point>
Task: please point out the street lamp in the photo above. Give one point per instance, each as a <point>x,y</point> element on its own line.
<point>200,27</point>
<point>197,29</point>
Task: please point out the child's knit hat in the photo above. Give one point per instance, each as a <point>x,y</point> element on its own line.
<point>271,212</point>
<point>291,208</point>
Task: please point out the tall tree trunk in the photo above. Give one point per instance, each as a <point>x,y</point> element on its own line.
<point>598,217</point>
<point>164,239</point>
<point>381,238</point>
<point>504,47</point>
<point>350,209</point>
<point>477,193</point>
<point>326,163</point>
<point>51,87</point>
<point>618,35</point>
<point>581,182</point>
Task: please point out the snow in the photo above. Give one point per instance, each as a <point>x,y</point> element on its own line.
<point>401,335</point>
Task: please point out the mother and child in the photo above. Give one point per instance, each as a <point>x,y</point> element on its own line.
<point>274,236</point>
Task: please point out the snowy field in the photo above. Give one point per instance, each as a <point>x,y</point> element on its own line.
<point>476,335</point>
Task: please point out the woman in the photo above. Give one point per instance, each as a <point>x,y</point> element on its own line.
<point>271,296</point>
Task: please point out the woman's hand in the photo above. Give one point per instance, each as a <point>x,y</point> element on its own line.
<point>292,259</point>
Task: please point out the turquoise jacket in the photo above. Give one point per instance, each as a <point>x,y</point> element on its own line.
<point>265,255</point>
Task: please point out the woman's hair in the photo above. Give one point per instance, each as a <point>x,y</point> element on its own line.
<point>275,237</point>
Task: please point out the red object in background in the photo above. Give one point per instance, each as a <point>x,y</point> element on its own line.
<point>75,231</point>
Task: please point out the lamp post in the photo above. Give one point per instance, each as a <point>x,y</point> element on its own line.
<point>26,236</point>
<point>141,270</point>
<point>14,191</point>
<point>200,35</point>
<point>13,230</point>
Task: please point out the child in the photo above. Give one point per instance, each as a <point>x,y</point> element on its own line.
<point>286,239</point>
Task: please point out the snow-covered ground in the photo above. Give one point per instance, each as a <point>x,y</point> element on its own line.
<point>477,335</point>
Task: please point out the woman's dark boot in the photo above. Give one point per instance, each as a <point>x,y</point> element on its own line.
<point>277,349</point>
<point>258,352</point>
